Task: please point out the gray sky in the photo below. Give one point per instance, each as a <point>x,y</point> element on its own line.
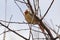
<point>12,9</point>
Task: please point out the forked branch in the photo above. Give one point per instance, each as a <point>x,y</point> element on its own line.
<point>13,31</point>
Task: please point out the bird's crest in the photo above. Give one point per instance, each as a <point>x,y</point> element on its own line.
<point>26,12</point>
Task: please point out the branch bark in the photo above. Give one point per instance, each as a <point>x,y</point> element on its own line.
<point>13,31</point>
<point>30,6</point>
<point>48,31</point>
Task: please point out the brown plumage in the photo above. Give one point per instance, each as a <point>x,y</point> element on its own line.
<point>29,18</point>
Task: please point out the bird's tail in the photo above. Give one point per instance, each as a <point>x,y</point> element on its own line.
<point>41,27</point>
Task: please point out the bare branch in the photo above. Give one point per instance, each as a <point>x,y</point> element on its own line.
<point>57,37</point>
<point>21,30</point>
<point>40,11</point>
<point>20,1</point>
<point>30,6</point>
<point>47,10</point>
<point>48,31</point>
<point>19,7</point>
<point>13,31</point>
<point>30,34</point>
<point>10,20</point>
<point>34,5</point>
<point>16,22</point>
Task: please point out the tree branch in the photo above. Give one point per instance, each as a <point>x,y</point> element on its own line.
<point>48,31</point>
<point>20,1</point>
<point>13,31</point>
<point>30,6</point>
<point>47,10</point>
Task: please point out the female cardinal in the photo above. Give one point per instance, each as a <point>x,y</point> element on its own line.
<point>34,20</point>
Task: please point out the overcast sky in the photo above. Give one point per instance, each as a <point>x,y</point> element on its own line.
<point>12,9</point>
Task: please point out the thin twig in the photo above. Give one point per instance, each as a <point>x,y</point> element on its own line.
<point>57,37</point>
<point>47,10</point>
<point>30,27</point>
<point>13,31</point>
<point>52,24</point>
<point>21,30</point>
<point>19,7</point>
<point>40,12</point>
<point>10,20</point>
<point>20,1</point>
<point>17,22</point>
<point>4,35</point>
<point>47,24</point>
<point>34,5</point>
<point>58,28</point>
<point>47,30</point>
<point>28,1</point>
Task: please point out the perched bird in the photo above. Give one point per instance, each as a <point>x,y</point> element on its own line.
<point>33,20</point>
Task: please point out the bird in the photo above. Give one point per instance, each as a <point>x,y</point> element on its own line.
<point>33,19</point>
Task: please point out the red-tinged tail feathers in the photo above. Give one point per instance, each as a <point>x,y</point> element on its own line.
<point>42,29</point>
